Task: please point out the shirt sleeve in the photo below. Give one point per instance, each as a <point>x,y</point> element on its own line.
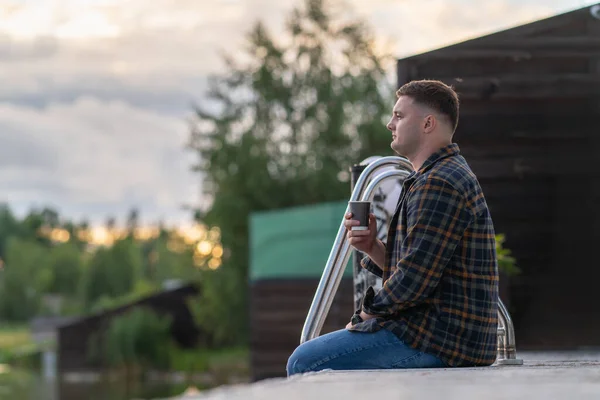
<point>437,216</point>
<point>370,266</point>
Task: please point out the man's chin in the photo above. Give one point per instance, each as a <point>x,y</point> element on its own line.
<point>397,150</point>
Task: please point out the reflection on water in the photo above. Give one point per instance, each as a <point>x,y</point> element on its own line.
<point>25,385</point>
<point>118,390</point>
<point>20,384</point>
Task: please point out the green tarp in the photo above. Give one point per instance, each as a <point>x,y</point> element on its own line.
<point>294,242</point>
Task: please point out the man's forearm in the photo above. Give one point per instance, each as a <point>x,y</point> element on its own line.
<point>377,253</point>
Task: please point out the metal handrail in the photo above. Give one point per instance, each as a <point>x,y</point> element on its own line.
<point>506,332</point>
<point>333,271</point>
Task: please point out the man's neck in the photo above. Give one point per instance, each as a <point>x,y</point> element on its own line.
<point>422,155</point>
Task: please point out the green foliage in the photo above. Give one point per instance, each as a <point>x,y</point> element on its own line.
<point>12,336</point>
<point>21,279</point>
<point>17,347</point>
<point>506,262</point>
<point>112,271</point>
<point>165,264</point>
<point>188,360</point>
<point>66,264</point>
<point>139,338</point>
<point>219,303</point>
<point>231,359</point>
<point>142,288</point>
<point>8,227</point>
<point>49,267</point>
<point>17,383</point>
<point>289,125</point>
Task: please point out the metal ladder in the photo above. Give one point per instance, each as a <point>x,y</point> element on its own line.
<point>340,254</point>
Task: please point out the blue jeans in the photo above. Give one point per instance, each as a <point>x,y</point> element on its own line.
<point>345,350</point>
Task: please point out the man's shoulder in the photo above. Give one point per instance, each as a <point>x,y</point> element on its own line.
<point>454,171</point>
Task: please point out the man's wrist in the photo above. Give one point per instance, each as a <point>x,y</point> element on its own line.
<point>373,249</point>
<point>365,317</point>
<point>377,253</point>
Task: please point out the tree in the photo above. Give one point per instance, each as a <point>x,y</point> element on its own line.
<point>285,128</point>
<point>170,264</point>
<point>112,271</point>
<point>8,227</point>
<point>138,338</point>
<point>66,263</point>
<point>133,221</point>
<point>22,279</point>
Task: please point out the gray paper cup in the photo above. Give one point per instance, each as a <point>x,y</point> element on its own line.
<point>360,211</point>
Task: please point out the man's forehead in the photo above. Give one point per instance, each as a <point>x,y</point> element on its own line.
<point>403,103</point>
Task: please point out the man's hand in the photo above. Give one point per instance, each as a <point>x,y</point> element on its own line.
<point>366,241</point>
<point>364,316</point>
<point>361,240</point>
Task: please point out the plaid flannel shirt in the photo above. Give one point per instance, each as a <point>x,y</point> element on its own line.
<point>440,276</point>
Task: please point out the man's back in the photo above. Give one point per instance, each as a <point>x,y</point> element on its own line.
<point>468,294</point>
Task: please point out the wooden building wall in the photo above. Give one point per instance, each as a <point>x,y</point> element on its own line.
<point>530,129</point>
<point>278,309</point>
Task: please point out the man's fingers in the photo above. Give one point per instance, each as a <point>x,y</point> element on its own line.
<point>358,242</point>
<point>372,221</point>
<point>349,223</point>
<point>358,234</point>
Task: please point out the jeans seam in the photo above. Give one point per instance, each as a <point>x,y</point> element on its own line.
<point>323,361</point>
<point>407,359</point>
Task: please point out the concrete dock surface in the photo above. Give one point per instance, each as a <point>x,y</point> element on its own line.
<point>543,376</point>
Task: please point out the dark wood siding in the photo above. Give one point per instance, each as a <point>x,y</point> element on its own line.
<point>278,310</point>
<point>530,129</point>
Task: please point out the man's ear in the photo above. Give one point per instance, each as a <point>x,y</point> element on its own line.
<point>429,123</point>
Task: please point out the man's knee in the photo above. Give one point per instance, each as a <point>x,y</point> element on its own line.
<point>295,364</point>
<point>314,354</point>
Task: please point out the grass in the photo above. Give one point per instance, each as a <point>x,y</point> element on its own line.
<point>14,336</point>
<point>14,339</point>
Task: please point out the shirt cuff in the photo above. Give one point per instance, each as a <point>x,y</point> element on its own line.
<point>369,305</point>
<point>370,266</point>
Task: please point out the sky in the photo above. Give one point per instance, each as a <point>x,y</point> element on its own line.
<point>96,95</point>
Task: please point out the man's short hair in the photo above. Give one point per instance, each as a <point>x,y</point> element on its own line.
<point>434,94</point>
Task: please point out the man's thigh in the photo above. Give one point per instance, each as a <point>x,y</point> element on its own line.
<point>345,350</point>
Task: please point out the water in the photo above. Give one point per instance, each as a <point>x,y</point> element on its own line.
<point>24,385</point>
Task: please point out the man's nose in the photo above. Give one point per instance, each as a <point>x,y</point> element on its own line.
<point>390,126</point>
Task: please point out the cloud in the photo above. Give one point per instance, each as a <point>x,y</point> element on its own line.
<point>22,150</point>
<point>38,48</point>
<point>162,95</point>
<point>418,26</point>
<point>97,152</point>
<point>152,55</point>
<point>95,93</point>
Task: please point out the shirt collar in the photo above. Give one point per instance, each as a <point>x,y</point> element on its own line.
<point>446,151</point>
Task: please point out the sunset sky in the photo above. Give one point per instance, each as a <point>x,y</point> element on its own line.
<point>95,94</point>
